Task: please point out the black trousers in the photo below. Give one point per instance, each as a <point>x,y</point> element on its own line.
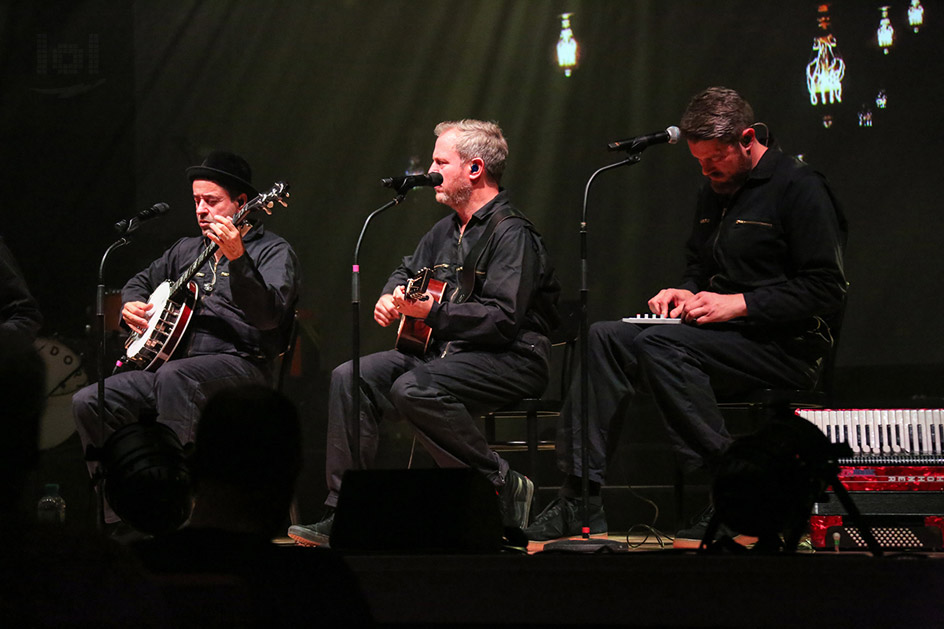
<point>176,392</point>
<point>684,367</point>
<point>440,397</point>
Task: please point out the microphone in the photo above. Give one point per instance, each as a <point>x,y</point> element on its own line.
<point>126,226</point>
<point>407,182</point>
<point>639,143</point>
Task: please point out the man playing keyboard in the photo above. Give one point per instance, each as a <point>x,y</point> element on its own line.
<point>763,279</point>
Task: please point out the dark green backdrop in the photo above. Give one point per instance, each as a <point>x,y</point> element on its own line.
<point>104,104</point>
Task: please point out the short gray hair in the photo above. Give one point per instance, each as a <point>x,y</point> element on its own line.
<point>478,138</point>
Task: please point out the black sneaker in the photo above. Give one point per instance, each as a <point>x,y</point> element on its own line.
<point>313,534</point>
<point>564,518</point>
<point>514,499</point>
<point>692,537</point>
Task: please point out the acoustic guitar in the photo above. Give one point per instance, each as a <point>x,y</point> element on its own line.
<point>413,335</point>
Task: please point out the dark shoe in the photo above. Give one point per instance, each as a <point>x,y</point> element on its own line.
<point>514,499</point>
<point>313,534</point>
<point>564,518</point>
<point>691,538</point>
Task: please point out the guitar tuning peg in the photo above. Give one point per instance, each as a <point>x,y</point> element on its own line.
<point>282,201</point>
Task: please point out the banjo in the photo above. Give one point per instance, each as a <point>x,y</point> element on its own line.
<point>174,301</point>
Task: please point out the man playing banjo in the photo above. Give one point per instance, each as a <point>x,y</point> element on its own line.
<point>242,299</point>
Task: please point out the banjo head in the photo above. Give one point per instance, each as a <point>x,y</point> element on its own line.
<point>139,342</point>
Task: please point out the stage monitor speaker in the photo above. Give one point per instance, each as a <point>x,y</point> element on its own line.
<point>426,511</point>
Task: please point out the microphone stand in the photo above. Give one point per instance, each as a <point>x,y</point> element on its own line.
<point>98,478</point>
<point>585,544</point>
<point>356,329</point>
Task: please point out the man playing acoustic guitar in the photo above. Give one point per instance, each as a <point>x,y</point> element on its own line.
<point>242,307</point>
<point>488,344</point>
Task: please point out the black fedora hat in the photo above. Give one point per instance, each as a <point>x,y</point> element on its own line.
<point>227,169</point>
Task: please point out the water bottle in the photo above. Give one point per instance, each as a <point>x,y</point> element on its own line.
<point>51,508</point>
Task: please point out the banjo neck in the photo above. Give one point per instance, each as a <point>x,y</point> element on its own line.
<point>184,280</point>
<point>262,201</point>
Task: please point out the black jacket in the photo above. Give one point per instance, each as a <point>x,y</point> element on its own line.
<point>516,290</point>
<point>244,306</point>
<point>779,240</point>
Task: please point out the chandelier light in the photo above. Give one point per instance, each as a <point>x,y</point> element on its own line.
<point>881,99</point>
<point>885,32</point>
<point>915,15</point>
<point>826,68</point>
<point>567,49</point>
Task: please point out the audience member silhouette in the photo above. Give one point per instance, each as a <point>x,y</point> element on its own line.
<point>54,576</point>
<point>23,395</point>
<point>246,459</point>
<point>19,311</point>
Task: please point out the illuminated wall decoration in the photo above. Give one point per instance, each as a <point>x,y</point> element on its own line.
<point>881,99</point>
<point>915,15</point>
<point>885,32</point>
<point>567,49</point>
<point>826,68</point>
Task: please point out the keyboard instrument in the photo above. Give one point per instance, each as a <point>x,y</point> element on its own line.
<point>895,475</point>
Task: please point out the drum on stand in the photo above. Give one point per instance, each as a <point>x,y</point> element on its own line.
<point>64,376</point>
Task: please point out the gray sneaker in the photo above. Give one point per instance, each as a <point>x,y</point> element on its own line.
<point>313,534</point>
<point>564,518</point>
<point>514,499</point>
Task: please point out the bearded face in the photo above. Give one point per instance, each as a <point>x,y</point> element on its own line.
<point>725,165</point>
<point>456,188</point>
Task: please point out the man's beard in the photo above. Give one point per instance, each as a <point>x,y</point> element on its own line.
<point>727,187</point>
<point>733,183</point>
<point>456,198</point>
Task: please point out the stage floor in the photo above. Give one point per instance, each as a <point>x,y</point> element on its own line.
<point>654,586</point>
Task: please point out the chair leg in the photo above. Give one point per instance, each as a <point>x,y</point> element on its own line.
<point>532,436</point>
<point>679,497</point>
<point>293,515</point>
<point>490,428</point>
